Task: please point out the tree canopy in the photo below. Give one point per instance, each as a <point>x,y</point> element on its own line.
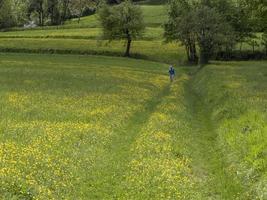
<point>214,25</point>
<point>122,22</point>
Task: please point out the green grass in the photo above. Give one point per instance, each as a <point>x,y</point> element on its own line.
<point>152,50</point>
<point>82,127</point>
<point>89,21</point>
<point>98,127</point>
<point>235,101</point>
<point>154,16</point>
<point>94,127</point>
<point>75,33</point>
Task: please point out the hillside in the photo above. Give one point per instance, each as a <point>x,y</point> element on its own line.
<point>79,121</point>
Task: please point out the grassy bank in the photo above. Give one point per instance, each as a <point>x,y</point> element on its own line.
<point>151,50</point>
<point>235,96</point>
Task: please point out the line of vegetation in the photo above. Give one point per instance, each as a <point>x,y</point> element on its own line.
<point>168,53</point>
<point>207,27</point>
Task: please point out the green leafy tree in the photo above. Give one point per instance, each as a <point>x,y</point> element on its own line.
<point>210,30</point>
<point>19,11</point>
<point>37,6</point>
<point>264,42</point>
<point>64,7</point>
<point>6,17</point>
<point>122,22</point>
<point>179,27</point>
<point>198,23</point>
<point>53,12</point>
<point>77,7</point>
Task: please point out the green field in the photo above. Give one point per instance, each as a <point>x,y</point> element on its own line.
<point>79,121</point>
<point>155,50</point>
<point>93,127</point>
<point>86,38</point>
<point>154,16</point>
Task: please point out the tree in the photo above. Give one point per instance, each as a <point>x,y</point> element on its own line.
<point>37,6</point>
<point>19,11</point>
<point>6,18</point>
<point>179,27</point>
<point>53,11</point>
<point>209,31</point>
<point>198,23</point>
<point>122,22</point>
<point>64,7</point>
<point>79,6</point>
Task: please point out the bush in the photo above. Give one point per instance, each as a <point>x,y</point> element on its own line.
<point>240,55</point>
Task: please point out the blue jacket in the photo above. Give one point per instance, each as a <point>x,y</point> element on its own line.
<point>172,71</point>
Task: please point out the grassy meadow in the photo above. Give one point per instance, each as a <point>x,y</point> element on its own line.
<point>101,127</point>
<point>79,121</point>
<point>72,125</point>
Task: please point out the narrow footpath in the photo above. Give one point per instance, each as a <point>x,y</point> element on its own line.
<point>207,158</point>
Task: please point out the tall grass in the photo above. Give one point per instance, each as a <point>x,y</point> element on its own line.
<point>236,94</point>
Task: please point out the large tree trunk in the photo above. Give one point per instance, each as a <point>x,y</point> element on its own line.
<point>41,14</point>
<point>128,47</point>
<point>65,8</point>
<point>129,42</point>
<point>191,53</point>
<point>204,57</point>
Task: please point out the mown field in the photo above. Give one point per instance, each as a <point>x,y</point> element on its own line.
<point>94,127</point>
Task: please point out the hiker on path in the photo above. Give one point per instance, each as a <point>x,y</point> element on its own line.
<point>172,73</point>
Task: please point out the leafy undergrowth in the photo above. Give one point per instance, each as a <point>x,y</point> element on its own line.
<point>235,94</point>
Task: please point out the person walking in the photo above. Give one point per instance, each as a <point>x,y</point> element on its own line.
<point>172,73</point>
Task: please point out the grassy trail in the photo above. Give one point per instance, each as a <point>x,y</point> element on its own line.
<point>108,173</point>
<point>208,163</point>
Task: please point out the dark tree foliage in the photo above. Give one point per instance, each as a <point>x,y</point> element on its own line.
<point>38,7</point>
<point>53,12</point>
<point>6,18</point>
<point>179,27</point>
<point>198,23</point>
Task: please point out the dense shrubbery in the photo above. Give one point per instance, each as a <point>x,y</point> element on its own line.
<point>240,55</point>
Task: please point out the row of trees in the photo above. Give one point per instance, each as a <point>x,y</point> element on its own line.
<point>45,12</point>
<point>214,26</point>
<point>203,27</point>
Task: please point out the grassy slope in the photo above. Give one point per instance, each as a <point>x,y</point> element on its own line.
<point>151,33</point>
<point>150,50</point>
<point>72,39</point>
<point>104,114</point>
<point>90,128</point>
<point>99,127</point>
<point>154,15</point>
<point>233,139</point>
